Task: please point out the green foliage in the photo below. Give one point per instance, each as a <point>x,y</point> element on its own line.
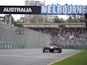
<point>74,19</point>
<point>69,20</point>
<point>85,15</point>
<point>78,59</point>
<point>58,20</point>
<point>36,19</point>
<point>6,18</point>
<point>18,25</point>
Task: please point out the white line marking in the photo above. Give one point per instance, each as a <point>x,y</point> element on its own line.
<point>28,56</point>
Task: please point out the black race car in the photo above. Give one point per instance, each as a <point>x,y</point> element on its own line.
<point>53,49</point>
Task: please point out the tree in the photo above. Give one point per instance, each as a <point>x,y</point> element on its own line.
<point>37,19</point>
<point>58,20</point>
<point>69,20</point>
<point>74,19</point>
<point>85,15</point>
<point>18,25</point>
<point>6,18</point>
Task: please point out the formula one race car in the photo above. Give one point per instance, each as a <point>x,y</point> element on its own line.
<point>53,49</point>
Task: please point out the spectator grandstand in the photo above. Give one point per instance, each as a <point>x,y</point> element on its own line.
<point>66,37</point>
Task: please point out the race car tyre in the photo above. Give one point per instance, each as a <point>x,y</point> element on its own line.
<point>60,50</point>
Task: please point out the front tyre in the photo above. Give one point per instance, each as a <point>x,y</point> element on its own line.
<point>59,50</point>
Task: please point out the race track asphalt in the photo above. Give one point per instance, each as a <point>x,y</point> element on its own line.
<point>30,56</point>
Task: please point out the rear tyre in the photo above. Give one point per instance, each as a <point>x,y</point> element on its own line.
<point>59,50</point>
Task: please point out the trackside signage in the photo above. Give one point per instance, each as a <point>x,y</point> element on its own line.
<point>64,9</point>
<point>20,9</point>
<point>45,9</point>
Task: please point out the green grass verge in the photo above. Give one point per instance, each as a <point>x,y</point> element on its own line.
<point>78,59</point>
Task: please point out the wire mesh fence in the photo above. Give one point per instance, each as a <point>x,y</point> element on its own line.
<point>22,37</point>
